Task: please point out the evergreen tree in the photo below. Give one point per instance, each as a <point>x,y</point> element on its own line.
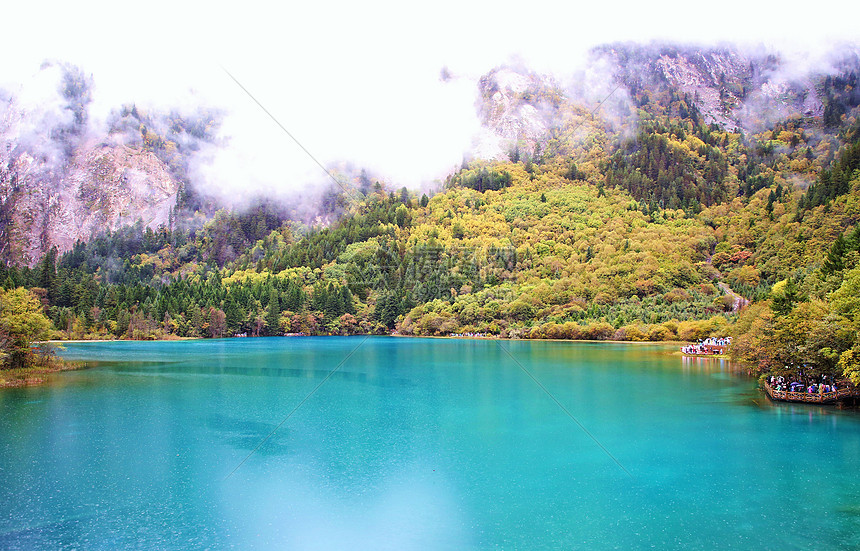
<point>273,313</point>
<point>48,274</point>
<point>783,303</point>
<point>346,300</point>
<point>835,259</point>
<point>387,308</point>
<point>334,306</point>
<point>233,315</point>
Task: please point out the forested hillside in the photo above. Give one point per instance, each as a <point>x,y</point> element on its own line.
<point>607,226</point>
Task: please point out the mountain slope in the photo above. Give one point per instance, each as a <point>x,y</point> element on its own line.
<point>627,217</point>
<point>100,188</point>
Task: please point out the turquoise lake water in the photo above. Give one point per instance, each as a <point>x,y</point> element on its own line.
<point>418,444</point>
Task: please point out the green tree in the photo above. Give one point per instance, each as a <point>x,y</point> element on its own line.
<point>217,323</point>
<point>21,323</point>
<point>849,363</point>
<point>784,296</point>
<point>234,315</point>
<point>273,313</point>
<point>401,215</point>
<point>835,259</point>
<point>48,274</point>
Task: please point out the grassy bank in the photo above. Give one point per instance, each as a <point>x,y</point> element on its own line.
<point>35,375</point>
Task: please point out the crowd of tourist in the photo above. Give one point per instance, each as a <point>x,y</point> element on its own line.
<point>709,346</point>
<point>809,385</point>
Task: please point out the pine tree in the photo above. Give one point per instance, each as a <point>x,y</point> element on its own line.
<point>769,207</point>
<point>233,315</point>
<point>334,306</point>
<point>783,303</point>
<point>273,313</point>
<point>48,274</point>
<point>346,300</point>
<point>835,259</point>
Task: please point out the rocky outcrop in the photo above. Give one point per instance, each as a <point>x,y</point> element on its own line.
<point>734,89</point>
<point>64,177</point>
<point>516,108</point>
<point>715,79</point>
<point>731,88</point>
<point>101,187</point>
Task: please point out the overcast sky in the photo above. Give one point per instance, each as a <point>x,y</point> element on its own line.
<point>359,81</point>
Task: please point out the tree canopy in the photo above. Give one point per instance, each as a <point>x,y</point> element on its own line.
<point>22,322</point>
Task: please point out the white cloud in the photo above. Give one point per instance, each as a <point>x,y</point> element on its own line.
<point>356,81</point>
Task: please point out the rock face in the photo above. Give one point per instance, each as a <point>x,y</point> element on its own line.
<point>705,76</point>
<point>516,108</point>
<point>730,88</point>
<point>65,178</point>
<point>100,187</point>
<point>735,89</point>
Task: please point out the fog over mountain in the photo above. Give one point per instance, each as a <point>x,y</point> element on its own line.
<point>71,166</point>
<point>293,105</point>
<point>356,83</point>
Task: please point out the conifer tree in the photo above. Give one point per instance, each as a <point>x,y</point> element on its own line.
<point>273,313</point>
<point>835,259</point>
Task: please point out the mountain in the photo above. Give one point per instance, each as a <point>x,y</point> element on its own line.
<point>100,187</point>
<point>63,178</point>
<point>741,90</point>
<point>66,178</point>
<point>634,200</point>
<point>517,107</point>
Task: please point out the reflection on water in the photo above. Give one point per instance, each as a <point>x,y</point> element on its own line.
<point>417,444</point>
<point>246,435</point>
<point>701,364</point>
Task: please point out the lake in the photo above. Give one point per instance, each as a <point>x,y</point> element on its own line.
<point>401,443</point>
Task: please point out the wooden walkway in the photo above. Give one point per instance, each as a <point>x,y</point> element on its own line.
<point>810,397</point>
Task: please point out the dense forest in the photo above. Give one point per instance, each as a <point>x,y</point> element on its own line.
<point>630,232</point>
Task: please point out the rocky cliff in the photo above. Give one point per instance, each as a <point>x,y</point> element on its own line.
<point>732,88</point>
<point>516,107</point>
<point>100,187</point>
<point>64,178</point>
<point>735,89</point>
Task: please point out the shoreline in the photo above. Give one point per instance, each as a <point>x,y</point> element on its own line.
<point>398,335</point>
<point>34,376</point>
<point>61,341</point>
<point>497,338</point>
